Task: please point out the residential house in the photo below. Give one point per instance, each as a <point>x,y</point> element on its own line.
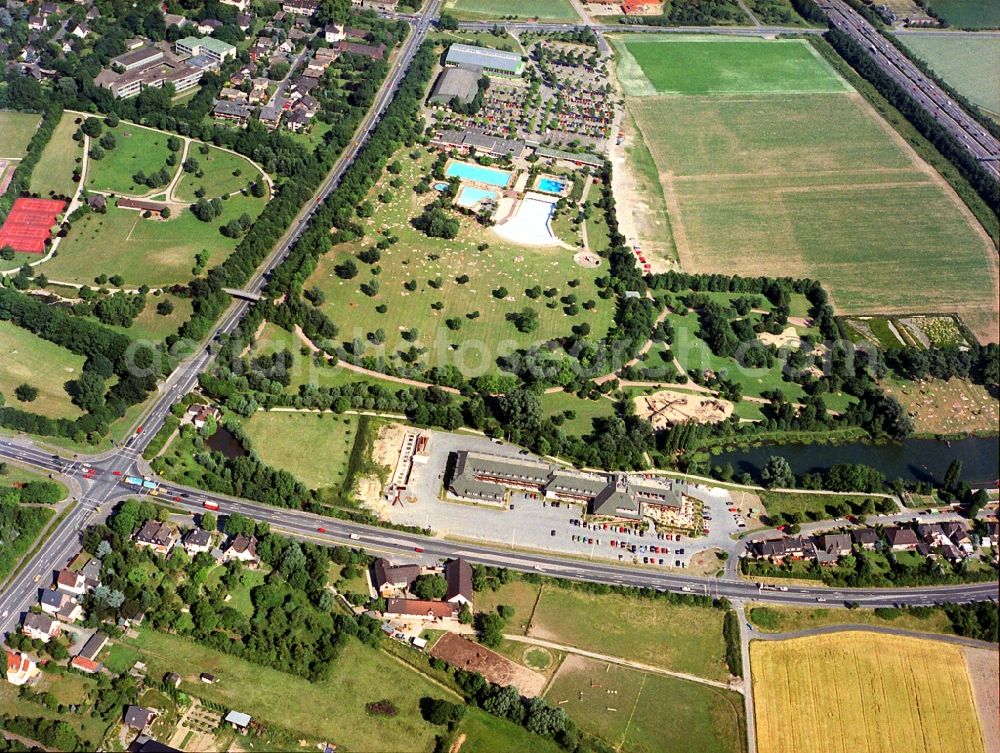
<point>197,541</point>
<point>37,23</point>
<point>91,573</point>
<point>173,679</point>
<point>389,579</point>
<point>458,573</point>
<point>333,33</point>
<point>865,538</point>
<point>200,413</point>
<point>240,5</point>
<point>836,544</point>
<point>300,7</point>
<point>40,627</point>
<point>956,533</point>
<point>421,609</point>
<point>48,9</point>
<point>139,718</point>
<point>242,549</point>
<point>21,669</point>
<point>270,115</point>
<point>297,121</point>
<point>932,534</point>
<point>84,664</point>
<point>93,646</point>
<point>72,583</point>
<point>244,21</point>
<point>146,744</point>
<point>372,51</point>
<point>81,31</point>
<point>97,202</point>
<point>777,550</point>
<point>174,19</point>
<point>61,605</point>
<point>93,13</point>
<point>232,95</point>
<point>235,111</point>
<point>208,26</point>
<point>901,539</point>
<point>157,536</point>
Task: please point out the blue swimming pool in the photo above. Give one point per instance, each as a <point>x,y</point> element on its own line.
<point>469,196</point>
<point>551,185</point>
<point>440,186</point>
<point>491,176</point>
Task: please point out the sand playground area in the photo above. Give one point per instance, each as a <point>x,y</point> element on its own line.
<point>666,408</point>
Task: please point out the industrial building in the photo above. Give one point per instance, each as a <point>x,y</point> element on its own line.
<point>492,62</point>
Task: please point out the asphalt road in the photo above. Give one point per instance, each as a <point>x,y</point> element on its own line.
<point>974,137</point>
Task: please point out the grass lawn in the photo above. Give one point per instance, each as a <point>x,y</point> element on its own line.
<point>636,712</point>
<point>137,149</point>
<point>144,251</point>
<point>15,474</point>
<point>775,619</point>
<point>150,325</point>
<point>88,726</point>
<point>249,580</point>
<point>519,594</point>
<point>952,407</point>
<point>681,638</point>
<point>489,734</point>
<point>429,262</point>
<point>53,175</point>
<point>17,129</point>
<point>331,710</point>
<point>25,358</point>
<point>313,447</point>
<point>119,657</point>
<point>812,506</point>
<point>969,14</point>
<point>219,167</point>
<point>863,692</point>
<point>69,688</point>
<point>765,182</point>
<point>548,10</point>
<point>585,410</point>
<point>696,65</point>
<point>970,64</point>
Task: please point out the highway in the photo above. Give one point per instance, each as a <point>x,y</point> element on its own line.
<point>737,31</point>
<point>974,137</point>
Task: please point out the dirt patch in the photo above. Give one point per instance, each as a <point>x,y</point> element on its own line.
<point>457,745</point>
<point>666,408</point>
<point>984,674</point>
<point>705,562</point>
<point>462,653</point>
<point>789,338</point>
<point>387,444</point>
<point>587,260</point>
<point>952,407</point>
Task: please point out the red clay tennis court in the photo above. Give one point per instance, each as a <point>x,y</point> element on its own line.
<point>29,224</point>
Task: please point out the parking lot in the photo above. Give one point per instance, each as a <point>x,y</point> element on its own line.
<point>532,522</point>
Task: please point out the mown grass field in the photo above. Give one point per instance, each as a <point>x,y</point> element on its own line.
<point>150,325</point>
<point>584,410</point>
<point>330,710</point>
<point>88,726</point>
<point>53,175</point>
<point>26,358</point>
<point>813,184</point>
<point>313,447</point>
<point>137,149</point>
<point>548,10</point>
<point>725,66</point>
<point>17,129</point>
<point>778,619</point>
<point>426,262</point>
<point>488,734</point>
<point>969,63</point>
<point>863,692</point>
<point>680,638</point>
<point>220,179</point>
<point>145,251</point>
<point>969,14</point>
<point>636,712</point>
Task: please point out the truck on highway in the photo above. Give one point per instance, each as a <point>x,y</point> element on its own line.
<point>210,505</point>
<point>140,483</point>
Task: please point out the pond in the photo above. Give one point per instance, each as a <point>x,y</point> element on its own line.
<point>910,460</point>
<point>225,442</point>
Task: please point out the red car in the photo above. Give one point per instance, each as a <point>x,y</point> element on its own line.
<point>733,509</point>
<point>418,549</point>
<point>321,529</point>
<point>138,430</point>
<point>116,473</point>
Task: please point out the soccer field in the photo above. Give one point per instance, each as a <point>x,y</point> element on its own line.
<point>863,692</point>
<point>969,63</point>
<point>814,184</point>
<point>695,65</point>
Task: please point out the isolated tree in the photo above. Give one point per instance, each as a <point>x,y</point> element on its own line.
<point>777,473</point>
<point>430,587</point>
<point>26,393</point>
<point>165,307</point>
<point>208,522</point>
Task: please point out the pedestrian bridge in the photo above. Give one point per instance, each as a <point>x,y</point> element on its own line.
<point>245,294</point>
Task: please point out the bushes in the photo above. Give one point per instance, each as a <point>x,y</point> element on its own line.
<point>731,632</point>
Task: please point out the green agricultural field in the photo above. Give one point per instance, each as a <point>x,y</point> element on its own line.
<point>969,14</point>
<point>137,149</point>
<point>53,175</point>
<point>676,637</point>
<point>220,168</point>
<point>547,10</point>
<point>17,129</point>
<point>694,65</point>
<point>145,251</point>
<point>26,358</point>
<point>313,447</point>
<point>333,709</point>
<point>425,262</point>
<point>969,63</point>
<point>636,712</point>
<point>764,184</point>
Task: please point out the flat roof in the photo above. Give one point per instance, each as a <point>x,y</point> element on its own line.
<point>209,43</point>
<point>484,57</point>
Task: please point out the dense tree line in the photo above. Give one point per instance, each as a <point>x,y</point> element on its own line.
<point>54,734</point>
<point>692,13</point>
<point>929,127</point>
<point>980,363</point>
<point>21,179</point>
<point>978,620</point>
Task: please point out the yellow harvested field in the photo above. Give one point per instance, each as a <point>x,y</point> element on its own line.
<point>857,692</point>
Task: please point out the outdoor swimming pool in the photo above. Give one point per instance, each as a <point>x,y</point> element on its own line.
<point>479,174</point>
<point>440,186</point>
<point>469,196</point>
<point>551,185</point>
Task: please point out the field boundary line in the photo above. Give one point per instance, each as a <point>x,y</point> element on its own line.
<point>956,640</point>
<point>622,662</point>
<point>631,716</point>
